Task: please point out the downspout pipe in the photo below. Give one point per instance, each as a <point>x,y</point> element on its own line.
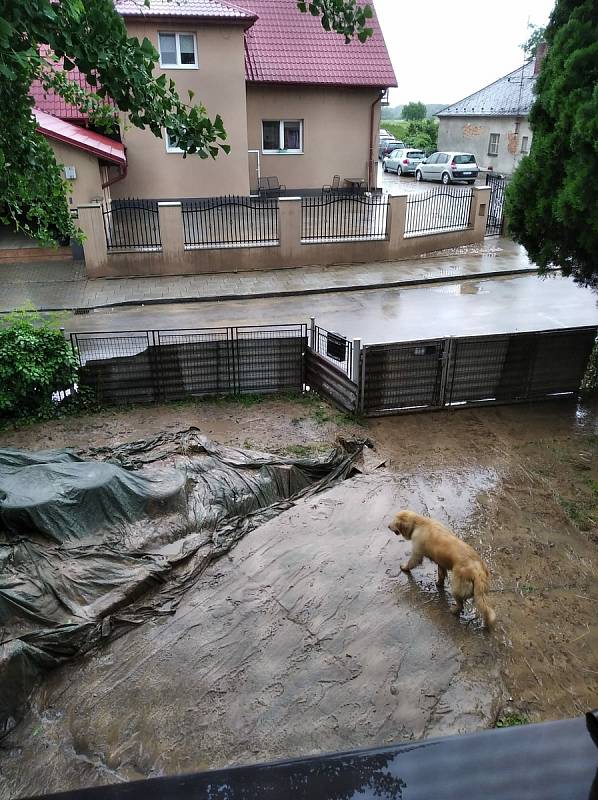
<point>370,161</point>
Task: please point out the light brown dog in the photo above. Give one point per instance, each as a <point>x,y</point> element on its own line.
<point>432,540</point>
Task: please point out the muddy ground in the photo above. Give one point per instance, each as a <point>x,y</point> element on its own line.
<point>307,637</point>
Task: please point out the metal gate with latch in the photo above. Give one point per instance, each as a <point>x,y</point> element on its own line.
<point>496,218</point>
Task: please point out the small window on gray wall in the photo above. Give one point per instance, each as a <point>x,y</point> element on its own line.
<point>525,144</point>
<point>493,144</point>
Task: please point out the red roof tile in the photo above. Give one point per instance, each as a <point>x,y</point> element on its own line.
<point>198,9</point>
<point>286,46</point>
<point>52,103</point>
<point>101,146</point>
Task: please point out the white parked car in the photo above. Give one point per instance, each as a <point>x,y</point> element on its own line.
<point>448,167</point>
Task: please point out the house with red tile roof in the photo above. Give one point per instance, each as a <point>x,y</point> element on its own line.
<point>297,102</point>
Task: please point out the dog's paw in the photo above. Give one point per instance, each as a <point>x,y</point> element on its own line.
<point>405,568</point>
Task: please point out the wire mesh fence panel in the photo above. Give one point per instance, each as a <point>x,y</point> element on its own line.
<point>270,359</point>
<point>489,369</point>
<point>119,367</point>
<point>403,376</point>
<point>561,360</point>
<point>334,348</point>
<point>132,225</point>
<point>195,363</point>
<point>440,209</point>
<point>339,218</point>
<point>230,222</point>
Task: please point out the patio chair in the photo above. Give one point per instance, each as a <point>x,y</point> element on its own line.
<point>271,186</point>
<point>332,187</point>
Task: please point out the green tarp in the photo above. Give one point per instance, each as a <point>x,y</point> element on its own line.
<point>90,546</point>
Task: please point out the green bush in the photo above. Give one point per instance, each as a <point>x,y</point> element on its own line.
<point>422,134</point>
<point>35,361</point>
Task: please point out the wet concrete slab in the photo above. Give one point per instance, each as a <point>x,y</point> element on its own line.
<point>456,308</point>
<point>306,638</point>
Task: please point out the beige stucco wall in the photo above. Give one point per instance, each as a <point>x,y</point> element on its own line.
<point>336,131</point>
<point>219,84</point>
<point>87,187</point>
<point>472,135</point>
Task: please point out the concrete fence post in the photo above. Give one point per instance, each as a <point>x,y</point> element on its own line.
<point>480,206</point>
<point>396,226</point>
<point>95,250</point>
<point>289,229</point>
<point>172,234</point>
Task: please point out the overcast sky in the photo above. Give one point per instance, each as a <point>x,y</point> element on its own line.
<point>444,50</point>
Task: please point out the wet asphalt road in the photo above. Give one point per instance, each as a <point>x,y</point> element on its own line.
<point>471,307</point>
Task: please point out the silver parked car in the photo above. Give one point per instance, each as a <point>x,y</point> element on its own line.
<point>448,167</point>
<point>403,161</point>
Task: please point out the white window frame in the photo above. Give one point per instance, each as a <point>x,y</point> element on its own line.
<point>177,35</point>
<point>526,139</point>
<point>494,139</point>
<point>281,151</point>
<point>171,148</point>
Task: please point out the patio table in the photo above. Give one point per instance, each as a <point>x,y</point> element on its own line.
<point>355,183</point>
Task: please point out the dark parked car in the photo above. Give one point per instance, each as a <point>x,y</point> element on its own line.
<point>388,145</point>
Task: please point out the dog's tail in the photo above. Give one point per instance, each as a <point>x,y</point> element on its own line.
<point>481,586</point>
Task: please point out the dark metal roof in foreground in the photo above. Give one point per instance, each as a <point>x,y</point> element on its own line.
<point>551,761</point>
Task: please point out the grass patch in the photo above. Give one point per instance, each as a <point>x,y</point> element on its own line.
<point>511,720</point>
<point>583,509</point>
<point>306,450</point>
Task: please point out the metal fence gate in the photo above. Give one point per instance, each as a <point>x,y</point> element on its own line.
<point>473,370</point>
<point>495,220</point>
<point>148,366</point>
<point>329,368</point>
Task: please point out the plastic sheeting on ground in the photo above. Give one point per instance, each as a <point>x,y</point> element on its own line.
<point>89,547</point>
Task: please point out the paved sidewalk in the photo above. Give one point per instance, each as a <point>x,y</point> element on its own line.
<point>56,286</point>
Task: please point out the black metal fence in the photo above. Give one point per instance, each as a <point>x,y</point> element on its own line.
<point>148,366</point>
<point>131,224</point>
<point>474,370</point>
<point>334,347</point>
<point>343,217</point>
<point>230,222</point>
<point>496,219</point>
<point>442,209</point>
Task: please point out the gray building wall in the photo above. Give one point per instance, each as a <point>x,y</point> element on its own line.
<point>471,134</point>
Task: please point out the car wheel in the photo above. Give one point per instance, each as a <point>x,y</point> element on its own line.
<point>384,167</point>
<point>446,178</point>
<point>418,176</point>
<point>399,171</point>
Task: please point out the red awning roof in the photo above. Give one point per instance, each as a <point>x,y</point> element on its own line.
<point>81,138</point>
